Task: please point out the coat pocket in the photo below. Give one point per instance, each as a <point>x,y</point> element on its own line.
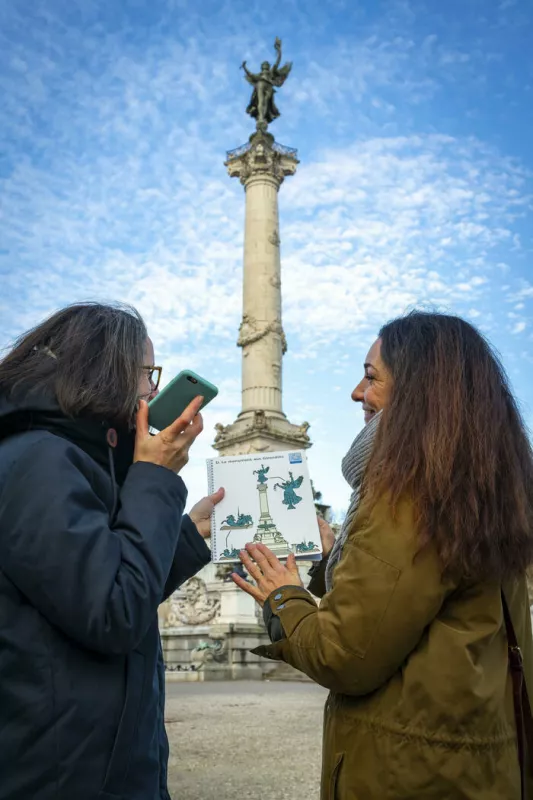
<point>333,788</point>
<point>364,585</point>
<point>120,756</point>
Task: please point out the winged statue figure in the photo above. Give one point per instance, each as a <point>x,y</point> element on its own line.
<point>261,473</point>
<point>262,106</point>
<point>290,498</point>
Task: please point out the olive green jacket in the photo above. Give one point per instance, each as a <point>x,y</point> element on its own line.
<point>421,698</point>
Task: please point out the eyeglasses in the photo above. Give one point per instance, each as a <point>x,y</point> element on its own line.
<point>154,375</point>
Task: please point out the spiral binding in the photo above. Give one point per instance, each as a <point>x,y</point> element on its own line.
<point>211,490</point>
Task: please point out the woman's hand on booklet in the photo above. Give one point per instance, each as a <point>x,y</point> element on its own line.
<point>267,571</point>
<point>202,511</point>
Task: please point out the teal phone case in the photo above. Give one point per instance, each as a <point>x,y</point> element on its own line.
<point>176,396</point>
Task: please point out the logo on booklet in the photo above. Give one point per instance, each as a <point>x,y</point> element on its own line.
<point>295,458</point>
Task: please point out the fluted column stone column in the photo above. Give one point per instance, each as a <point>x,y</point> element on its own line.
<point>261,167</point>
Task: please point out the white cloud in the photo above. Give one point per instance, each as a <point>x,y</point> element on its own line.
<point>113,186</point>
<point>390,222</point>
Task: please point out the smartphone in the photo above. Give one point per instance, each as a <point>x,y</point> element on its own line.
<point>176,396</point>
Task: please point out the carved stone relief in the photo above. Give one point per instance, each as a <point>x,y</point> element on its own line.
<point>221,431</point>
<point>274,239</point>
<point>192,605</point>
<point>250,332</point>
<point>215,650</point>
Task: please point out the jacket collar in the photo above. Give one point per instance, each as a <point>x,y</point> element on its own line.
<point>94,437</point>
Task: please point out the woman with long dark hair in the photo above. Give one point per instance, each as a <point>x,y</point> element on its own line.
<point>425,605</point>
<point>92,540</point>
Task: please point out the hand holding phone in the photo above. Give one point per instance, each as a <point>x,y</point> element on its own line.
<point>170,447</point>
<point>174,398</point>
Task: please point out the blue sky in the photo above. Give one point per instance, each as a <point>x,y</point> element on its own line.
<point>413,122</point>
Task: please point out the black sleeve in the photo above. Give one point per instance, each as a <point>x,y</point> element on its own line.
<point>192,553</point>
<point>272,624</point>
<point>98,584</point>
<point>317,584</point>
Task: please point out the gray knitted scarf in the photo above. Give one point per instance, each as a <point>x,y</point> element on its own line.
<point>353,468</point>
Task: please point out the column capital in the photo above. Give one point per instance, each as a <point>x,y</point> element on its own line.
<point>262,157</point>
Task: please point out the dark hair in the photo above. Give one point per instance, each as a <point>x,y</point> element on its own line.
<point>89,356</point>
<point>452,438</point>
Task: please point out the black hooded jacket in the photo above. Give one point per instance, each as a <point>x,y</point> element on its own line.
<point>90,545</point>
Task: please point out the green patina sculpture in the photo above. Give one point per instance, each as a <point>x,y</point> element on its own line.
<point>261,473</point>
<point>262,107</point>
<point>290,498</point>
<point>239,521</point>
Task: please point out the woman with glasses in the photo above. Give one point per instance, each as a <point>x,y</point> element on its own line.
<point>92,539</point>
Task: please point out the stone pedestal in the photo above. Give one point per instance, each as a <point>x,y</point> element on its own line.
<point>237,608</point>
<point>215,653</point>
<point>208,628</point>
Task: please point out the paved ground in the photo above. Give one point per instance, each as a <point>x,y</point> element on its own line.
<point>244,740</point>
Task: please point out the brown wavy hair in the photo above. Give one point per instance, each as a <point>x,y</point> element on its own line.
<point>452,438</point>
<point>89,356</point>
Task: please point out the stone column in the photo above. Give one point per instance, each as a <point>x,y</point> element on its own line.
<point>261,425</point>
<point>261,334</point>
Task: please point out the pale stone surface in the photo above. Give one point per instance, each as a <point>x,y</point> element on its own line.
<point>261,425</point>
<point>250,740</point>
<point>208,628</point>
<point>261,335</point>
<point>237,607</point>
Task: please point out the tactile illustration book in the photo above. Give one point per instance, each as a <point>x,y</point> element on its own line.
<point>268,499</point>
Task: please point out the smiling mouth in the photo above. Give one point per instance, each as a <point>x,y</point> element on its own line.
<point>369,413</point>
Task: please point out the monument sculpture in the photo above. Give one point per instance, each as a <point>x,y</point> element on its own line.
<point>290,498</point>
<point>262,106</point>
<point>209,628</point>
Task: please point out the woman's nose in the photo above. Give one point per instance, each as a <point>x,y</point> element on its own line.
<point>358,394</point>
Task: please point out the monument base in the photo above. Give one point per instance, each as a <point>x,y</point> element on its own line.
<point>258,432</point>
<point>216,653</point>
<point>208,628</point>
